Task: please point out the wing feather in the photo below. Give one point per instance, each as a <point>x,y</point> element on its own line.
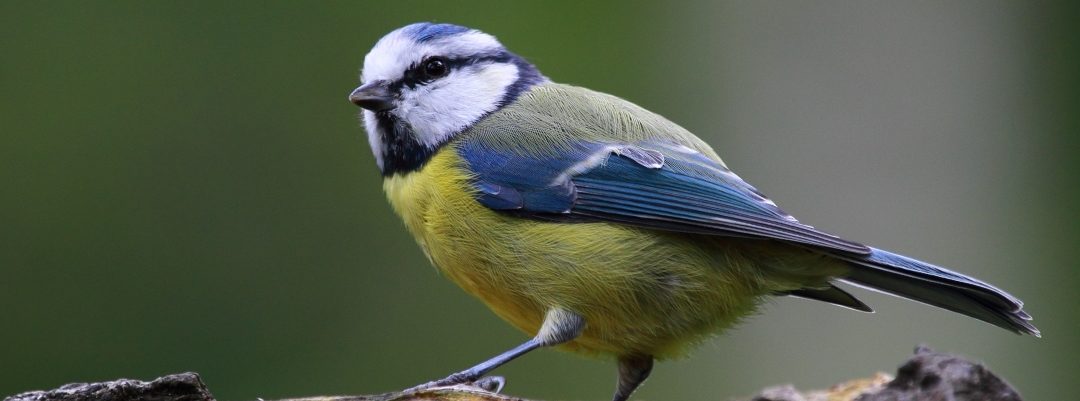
<point>654,185</point>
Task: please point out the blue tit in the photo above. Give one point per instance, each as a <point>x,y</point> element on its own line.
<point>593,224</point>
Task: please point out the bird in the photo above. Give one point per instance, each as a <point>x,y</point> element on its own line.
<point>594,225</point>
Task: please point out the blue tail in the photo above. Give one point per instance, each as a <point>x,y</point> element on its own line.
<point>932,285</point>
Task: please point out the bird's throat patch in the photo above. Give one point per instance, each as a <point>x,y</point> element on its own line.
<point>401,152</point>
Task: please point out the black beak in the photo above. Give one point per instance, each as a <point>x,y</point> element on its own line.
<point>374,96</point>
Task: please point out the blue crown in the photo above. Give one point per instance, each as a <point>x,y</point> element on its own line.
<point>426,31</point>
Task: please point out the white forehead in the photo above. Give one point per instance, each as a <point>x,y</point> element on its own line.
<point>407,46</point>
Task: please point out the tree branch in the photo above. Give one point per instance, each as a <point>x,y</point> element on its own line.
<point>928,375</point>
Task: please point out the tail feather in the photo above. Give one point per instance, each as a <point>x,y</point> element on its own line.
<point>833,295</point>
<point>932,285</point>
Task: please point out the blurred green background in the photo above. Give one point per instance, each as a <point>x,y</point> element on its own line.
<point>185,187</point>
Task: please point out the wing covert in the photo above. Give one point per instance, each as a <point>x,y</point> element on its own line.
<point>649,184</point>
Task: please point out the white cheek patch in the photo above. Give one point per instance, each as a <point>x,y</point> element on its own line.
<point>444,107</point>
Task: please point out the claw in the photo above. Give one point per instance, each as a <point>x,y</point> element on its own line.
<point>492,384</point>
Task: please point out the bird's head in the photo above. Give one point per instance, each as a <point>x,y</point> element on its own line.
<point>424,83</point>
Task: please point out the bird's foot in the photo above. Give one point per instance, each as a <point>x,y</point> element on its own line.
<point>493,384</point>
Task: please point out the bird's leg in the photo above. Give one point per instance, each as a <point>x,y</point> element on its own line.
<point>559,326</point>
<point>633,370</point>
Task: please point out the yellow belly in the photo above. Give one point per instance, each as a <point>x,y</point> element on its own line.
<point>640,291</point>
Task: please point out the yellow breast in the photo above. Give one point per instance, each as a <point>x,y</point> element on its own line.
<point>464,240</point>
<point>639,290</point>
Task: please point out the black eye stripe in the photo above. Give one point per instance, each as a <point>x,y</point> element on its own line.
<point>413,76</point>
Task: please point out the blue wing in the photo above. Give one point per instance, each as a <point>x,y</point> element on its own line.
<point>652,184</point>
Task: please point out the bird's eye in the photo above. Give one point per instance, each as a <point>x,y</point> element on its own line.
<point>435,67</point>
